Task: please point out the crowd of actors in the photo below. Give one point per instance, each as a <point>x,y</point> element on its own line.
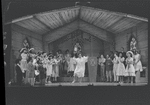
<point>121,67</point>
<point>46,68</point>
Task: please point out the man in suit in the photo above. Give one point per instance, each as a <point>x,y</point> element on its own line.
<point>19,72</point>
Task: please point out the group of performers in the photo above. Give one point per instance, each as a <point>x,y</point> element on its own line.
<point>45,68</point>
<point>122,66</point>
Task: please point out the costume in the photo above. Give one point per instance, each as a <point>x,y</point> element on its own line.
<point>121,67</point>
<point>115,68</point>
<point>137,63</point>
<point>102,67</point>
<point>80,67</point>
<point>130,70</point>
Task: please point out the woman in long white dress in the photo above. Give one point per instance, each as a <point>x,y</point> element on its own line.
<point>121,67</point>
<point>80,67</point>
<point>115,67</point>
<point>72,65</point>
<point>49,65</point>
<point>130,70</point>
<point>56,68</point>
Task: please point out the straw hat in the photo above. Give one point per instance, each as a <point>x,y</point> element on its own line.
<point>130,53</point>
<point>22,50</point>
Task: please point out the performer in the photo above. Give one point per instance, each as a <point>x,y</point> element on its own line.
<point>19,72</point>
<point>109,68</point>
<point>31,72</point>
<point>67,60</point>
<point>137,62</point>
<point>115,67</point>
<point>72,65</point>
<point>80,67</point>
<point>49,69</point>
<point>101,62</point>
<point>56,68</point>
<point>23,63</point>
<point>121,67</point>
<point>130,70</point>
<point>133,44</point>
<point>42,73</point>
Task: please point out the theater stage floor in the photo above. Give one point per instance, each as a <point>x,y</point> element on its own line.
<point>92,84</point>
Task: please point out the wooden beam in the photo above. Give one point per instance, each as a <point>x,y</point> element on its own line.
<point>60,32</point>
<point>98,32</point>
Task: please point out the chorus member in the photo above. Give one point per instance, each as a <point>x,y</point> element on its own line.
<point>80,67</point>
<point>56,68</point>
<point>42,73</point>
<point>109,68</point>
<point>137,62</point>
<point>19,72</point>
<point>121,67</point>
<point>130,70</point>
<point>72,65</point>
<point>49,69</point>
<point>115,67</point>
<point>102,67</point>
<point>31,72</point>
<point>67,60</point>
<point>23,63</point>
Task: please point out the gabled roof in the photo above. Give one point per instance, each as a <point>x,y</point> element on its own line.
<point>46,22</point>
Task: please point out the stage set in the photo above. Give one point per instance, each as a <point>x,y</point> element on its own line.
<point>97,31</point>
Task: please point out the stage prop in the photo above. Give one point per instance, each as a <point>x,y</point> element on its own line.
<point>92,69</point>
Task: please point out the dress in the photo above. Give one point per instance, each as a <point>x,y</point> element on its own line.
<point>23,62</point>
<point>42,72</point>
<point>115,66</point>
<point>31,70</point>
<point>72,64</point>
<point>49,67</point>
<point>130,70</point>
<point>121,67</point>
<point>138,66</point>
<point>55,72</point>
<point>109,65</point>
<point>80,67</point>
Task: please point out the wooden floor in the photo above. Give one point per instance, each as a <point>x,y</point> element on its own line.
<point>94,84</point>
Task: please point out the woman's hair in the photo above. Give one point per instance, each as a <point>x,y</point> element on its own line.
<point>17,61</point>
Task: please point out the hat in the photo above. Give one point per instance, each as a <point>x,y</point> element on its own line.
<point>130,53</point>
<point>31,49</point>
<point>21,51</point>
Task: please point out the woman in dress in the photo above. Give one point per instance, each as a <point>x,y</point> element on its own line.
<point>80,67</point>
<point>130,70</point>
<point>56,68</point>
<point>102,67</point>
<point>72,65</point>
<point>109,68</point>
<point>49,69</point>
<point>137,62</point>
<point>121,67</point>
<point>42,71</point>
<point>31,72</point>
<point>23,64</point>
<point>115,67</point>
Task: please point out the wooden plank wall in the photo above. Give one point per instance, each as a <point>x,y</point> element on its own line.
<point>18,36</point>
<point>141,33</point>
<point>67,42</point>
